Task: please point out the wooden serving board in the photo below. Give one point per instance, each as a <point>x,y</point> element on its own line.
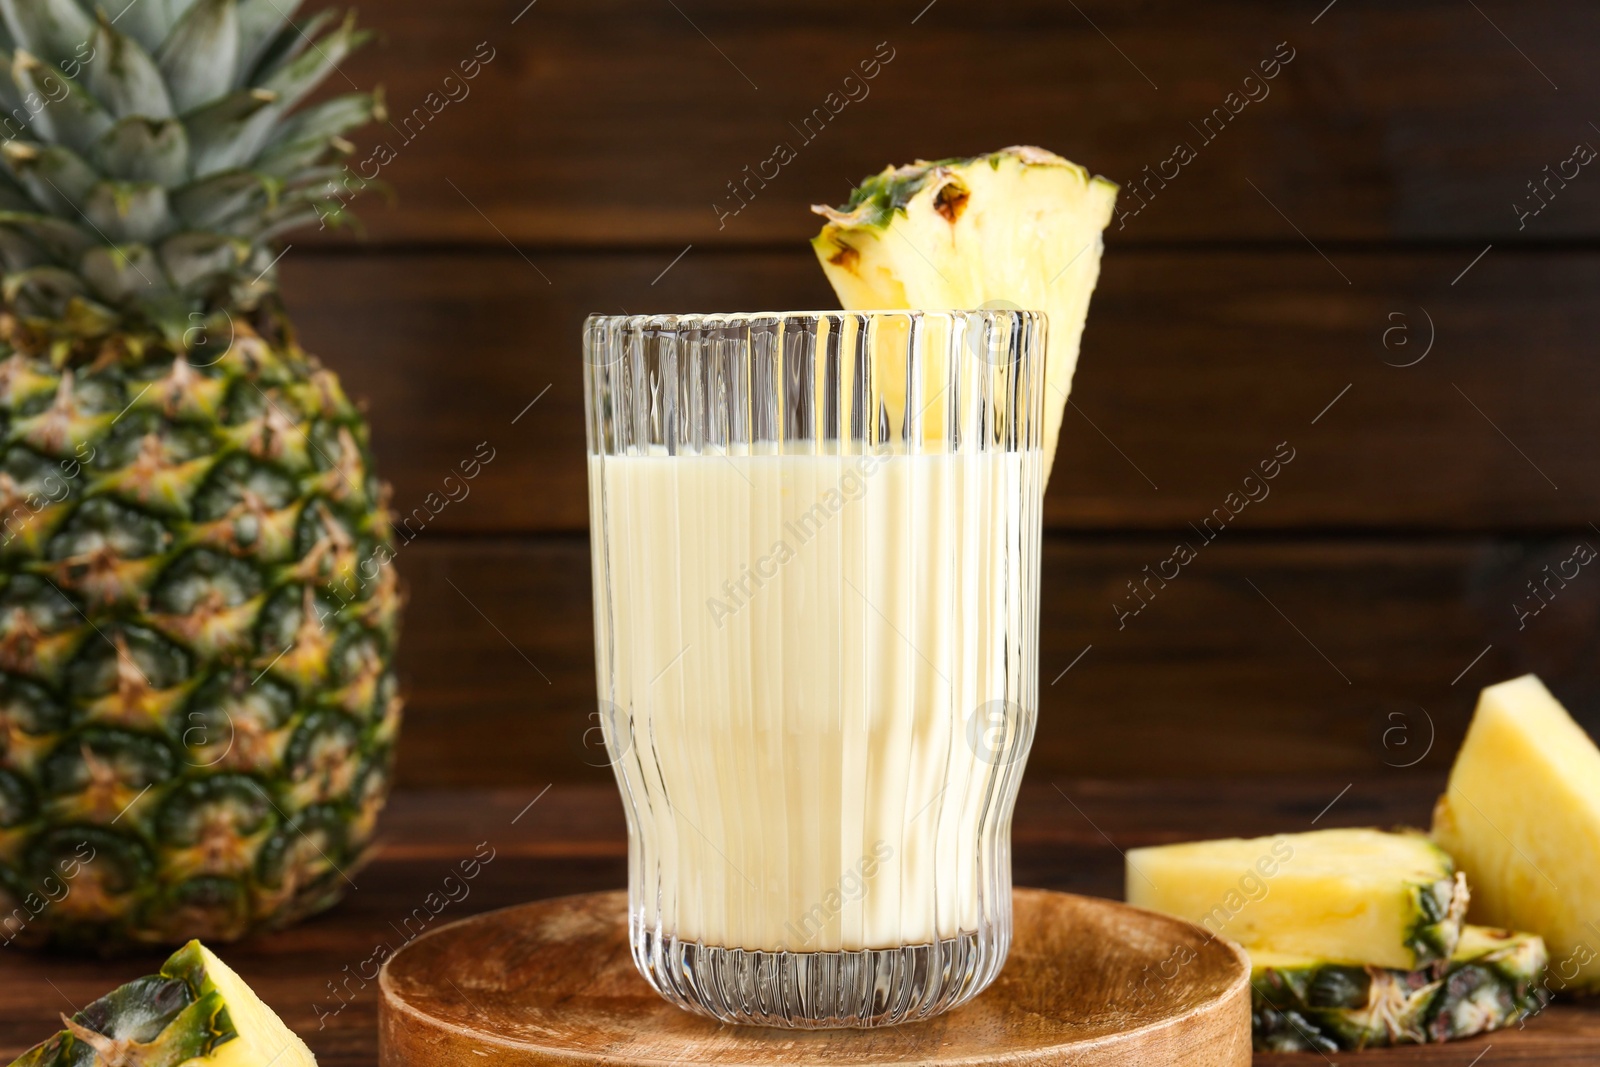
<point>1088,982</point>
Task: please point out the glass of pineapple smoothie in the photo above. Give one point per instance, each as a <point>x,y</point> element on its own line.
<point>816,569</point>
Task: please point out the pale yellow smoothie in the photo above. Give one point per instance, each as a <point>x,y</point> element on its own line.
<point>808,658</point>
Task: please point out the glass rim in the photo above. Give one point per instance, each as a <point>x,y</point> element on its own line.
<point>754,376</point>
<point>693,318</point>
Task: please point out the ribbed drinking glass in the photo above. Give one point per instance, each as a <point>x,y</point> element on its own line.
<point>816,571</point>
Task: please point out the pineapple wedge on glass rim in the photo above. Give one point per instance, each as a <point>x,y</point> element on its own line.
<point>197,622</point>
<point>196,1011</point>
<point>1494,979</point>
<point>1367,897</point>
<point>1019,228</point>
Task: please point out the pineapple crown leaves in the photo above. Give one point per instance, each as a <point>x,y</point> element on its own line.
<point>150,158</point>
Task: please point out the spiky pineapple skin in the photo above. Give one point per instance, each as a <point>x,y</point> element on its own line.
<point>180,1015</point>
<point>171,1011</point>
<point>197,621</point>
<point>197,625</point>
<point>1494,979</point>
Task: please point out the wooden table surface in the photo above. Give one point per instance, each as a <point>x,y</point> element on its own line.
<point>1068,835</point>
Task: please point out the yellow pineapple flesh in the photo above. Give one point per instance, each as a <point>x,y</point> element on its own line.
<point>1343,896</point>
<point>1016,229</point>
<point>1521,815</point>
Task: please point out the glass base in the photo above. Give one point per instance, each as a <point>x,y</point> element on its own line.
<point>819,990</point>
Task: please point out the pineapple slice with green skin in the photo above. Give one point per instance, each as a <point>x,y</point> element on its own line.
<point>1389,899</point>
<point>1521,815</point>
<point>196,1012</point>
<point>1494,979</point>
<point>1019,228</point>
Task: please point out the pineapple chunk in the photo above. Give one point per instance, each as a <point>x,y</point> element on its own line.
<point>1522,817</point>
<point>196,1012</point>
<point>1494,978</point>
<point>1016,228</point>
<point>1344,896</point>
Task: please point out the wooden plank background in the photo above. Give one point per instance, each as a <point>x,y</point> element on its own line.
<point>1353,265</point>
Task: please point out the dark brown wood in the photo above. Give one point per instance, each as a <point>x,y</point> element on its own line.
<point>1195,366</point>
<point>553,983</point>
<point>622,122</point>
<point>1331,655</point>
<point>1066,837</point>
<point>1260,296</point>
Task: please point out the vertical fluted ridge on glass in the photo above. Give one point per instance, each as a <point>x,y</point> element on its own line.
<point>816,551</point>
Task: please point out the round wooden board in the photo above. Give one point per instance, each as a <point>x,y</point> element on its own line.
<point>1088,982</point>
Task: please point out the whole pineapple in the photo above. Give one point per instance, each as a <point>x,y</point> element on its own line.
<point>197,612</point>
